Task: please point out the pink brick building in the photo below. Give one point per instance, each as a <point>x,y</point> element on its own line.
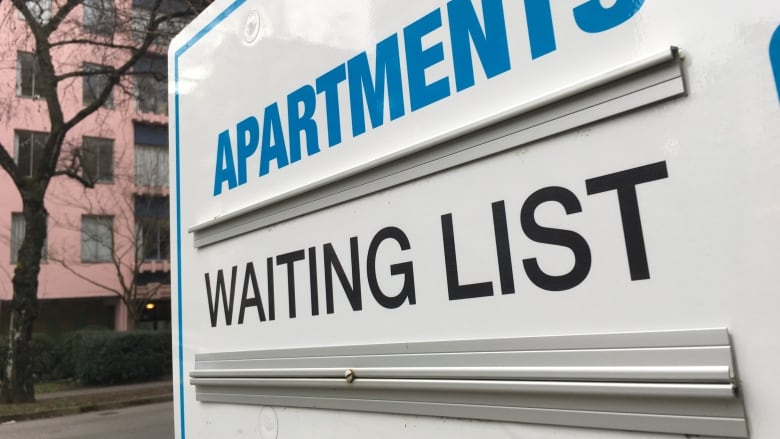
<point>95,234</point>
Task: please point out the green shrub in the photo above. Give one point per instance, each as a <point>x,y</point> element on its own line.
<point>98,356</point>
<point>46,357</point>
<point>120,357</point>
<point>69,347</point>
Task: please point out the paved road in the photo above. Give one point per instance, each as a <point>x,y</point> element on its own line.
<point>153,421</point>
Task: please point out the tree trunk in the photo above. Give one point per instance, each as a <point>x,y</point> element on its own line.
<point>18,380</point>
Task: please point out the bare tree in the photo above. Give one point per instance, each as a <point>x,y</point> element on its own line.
<point>128,231</point>
<point>53,29</point>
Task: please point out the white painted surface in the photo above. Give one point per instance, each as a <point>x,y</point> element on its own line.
<point>711,227</point>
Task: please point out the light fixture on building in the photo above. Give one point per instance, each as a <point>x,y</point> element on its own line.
<point>150,306</point>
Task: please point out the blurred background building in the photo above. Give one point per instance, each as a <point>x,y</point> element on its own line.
<point>107,256</point>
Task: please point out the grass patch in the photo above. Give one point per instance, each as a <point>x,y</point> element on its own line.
<point>56,386</point>
<point>80,404</point>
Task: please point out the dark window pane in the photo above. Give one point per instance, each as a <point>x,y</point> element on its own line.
<point>151,214</point>
<point>26,74</point>
<point>152,85</point>
<point>151,154</point>
<point>24,152</point>
<point>26,79</point>
<point>97,159</point>
<point>150,134</point>
<point>106,161</point>
<point>29,150</point>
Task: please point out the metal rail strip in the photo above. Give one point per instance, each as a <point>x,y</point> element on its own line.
<point>667,381</point>
<point>625,88</point>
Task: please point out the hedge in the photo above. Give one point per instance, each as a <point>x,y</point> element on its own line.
<point>45,353</point>
<point>120,357</point>
<point>68,350</point>
<point>99,357</point>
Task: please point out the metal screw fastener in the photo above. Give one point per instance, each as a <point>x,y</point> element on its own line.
<point>252,26</point>
<point>349,375</point>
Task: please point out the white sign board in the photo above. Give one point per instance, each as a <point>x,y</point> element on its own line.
<point>511,213</point>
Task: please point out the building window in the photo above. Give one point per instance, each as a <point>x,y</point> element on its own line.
<point>153,229</point>
<point>29,150</point>
<point>144,10</point>
<point>40,10</point>
<point>151,84</point>
<point>99,17</point>
<point>18,225</point>
<point>27,81</point>
<point>151,155</point>
<point>97,159</point>
<point>95,81</point>
<point>97,238</point>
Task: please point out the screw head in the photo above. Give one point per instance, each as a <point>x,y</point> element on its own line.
<point>252,26</point>
<point>349,375</point>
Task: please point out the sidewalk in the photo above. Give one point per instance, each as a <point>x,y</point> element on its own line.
<point>88,399</point>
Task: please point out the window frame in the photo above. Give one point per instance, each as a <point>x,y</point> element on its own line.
<point>153,228</point>
<point>90,239</point>
<point>88,87</point>
<point>100,144</point>
<point>105,17</point>
<point>141,12</point>
<point>159,230</point>
<point>156,175</point>
<point>33,145</point>
<point>151,93</point>
<point>22,59</point>
<point>150,140</point>
<point>15,242</point>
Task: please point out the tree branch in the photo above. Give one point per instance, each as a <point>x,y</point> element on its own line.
<point>73,174</point>
<point>84,41</point>
<point>86,278</point>
<point>9,165</point>
<point>103,71</point>
<point>62,12</point>
<point>113,80</point>
<point>32,21</point>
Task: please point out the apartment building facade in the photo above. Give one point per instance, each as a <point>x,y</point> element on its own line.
<point>111,240</point>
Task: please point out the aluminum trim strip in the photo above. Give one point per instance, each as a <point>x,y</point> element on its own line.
<point>664,381</point>
<point>626,88</point>
<point>667,374</point>
<point>600,389</point>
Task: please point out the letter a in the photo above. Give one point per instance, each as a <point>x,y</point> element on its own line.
<point>226,168</point>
